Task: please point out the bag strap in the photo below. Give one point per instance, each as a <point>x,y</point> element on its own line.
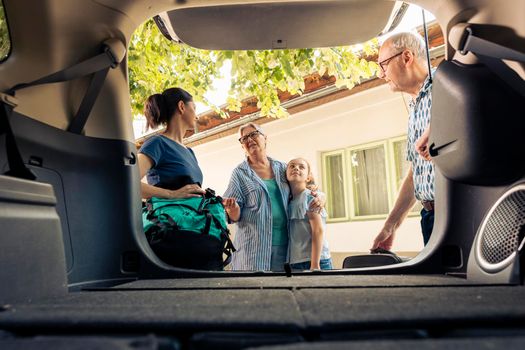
<point>228,259</point>
<point>218,224</point>
<point>151,212</point>
<point>492,55</point>
<point>202,205</point>
<point>168,217</point>
<point>207,225</point>
<point>229,248</point>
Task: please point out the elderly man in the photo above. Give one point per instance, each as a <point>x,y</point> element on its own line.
<point>403,65</point>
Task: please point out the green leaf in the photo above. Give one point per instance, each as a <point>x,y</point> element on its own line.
<point>156,64</point>
<point>286,66</point>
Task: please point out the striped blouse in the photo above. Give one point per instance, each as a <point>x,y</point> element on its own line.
<point>253,239</point>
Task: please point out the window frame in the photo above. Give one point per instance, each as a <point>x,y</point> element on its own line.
<point>327,184</point>
<point>348,185</point>
<point>352,193</point>
<point>415,209</point>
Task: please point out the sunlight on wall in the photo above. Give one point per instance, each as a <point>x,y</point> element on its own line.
<point>372,115</point>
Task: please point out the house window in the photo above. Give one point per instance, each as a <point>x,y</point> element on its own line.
<point>334,175</point>
<point>401,165</point>
<point>5,42</point>
<point>369,181</point>
<point>365,188</point>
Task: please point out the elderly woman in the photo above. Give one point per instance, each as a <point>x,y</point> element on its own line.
<point>257,200</point>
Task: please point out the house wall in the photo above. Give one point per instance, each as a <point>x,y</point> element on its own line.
<point>368,116</point>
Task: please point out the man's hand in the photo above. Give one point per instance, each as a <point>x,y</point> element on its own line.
<point>384,239</point>
<point>421,145</point>
<point>232,208</point>
<point>317,204</point>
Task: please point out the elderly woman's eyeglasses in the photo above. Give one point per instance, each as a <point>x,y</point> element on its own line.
<point>251,135</point>
<point>384,63</point>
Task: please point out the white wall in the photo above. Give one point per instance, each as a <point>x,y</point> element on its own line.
<point>372,115</point>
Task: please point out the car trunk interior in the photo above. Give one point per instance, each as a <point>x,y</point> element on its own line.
<point>74,259</point>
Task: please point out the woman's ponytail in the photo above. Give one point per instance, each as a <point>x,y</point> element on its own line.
<point>155,111</point>
<point>160,108</point>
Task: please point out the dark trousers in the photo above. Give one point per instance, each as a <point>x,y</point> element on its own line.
<point>427,224</point>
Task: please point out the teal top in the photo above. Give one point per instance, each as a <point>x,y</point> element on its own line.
<point>279,218</point>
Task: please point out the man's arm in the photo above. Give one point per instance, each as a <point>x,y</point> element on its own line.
<point>319,201</point>
<point>421,145</point>
<point>404,202</point>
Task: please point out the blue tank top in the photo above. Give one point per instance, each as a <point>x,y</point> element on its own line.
<point>174,165</point>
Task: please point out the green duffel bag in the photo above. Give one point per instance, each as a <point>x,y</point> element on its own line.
<point>189,233</point>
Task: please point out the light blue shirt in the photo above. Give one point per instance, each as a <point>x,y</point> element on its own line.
<point>253,238</point>
<point>301,230</point>
<point>418,121</point>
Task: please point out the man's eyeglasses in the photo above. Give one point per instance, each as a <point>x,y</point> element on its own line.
<point>251,135</point>
<point>384,63</point>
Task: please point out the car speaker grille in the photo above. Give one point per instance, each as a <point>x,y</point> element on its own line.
<point>504,227</point>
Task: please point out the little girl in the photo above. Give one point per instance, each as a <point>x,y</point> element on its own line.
<point>308,247</point>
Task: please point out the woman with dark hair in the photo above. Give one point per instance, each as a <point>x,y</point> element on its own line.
<point>174,177</point>
<point>171,168</point>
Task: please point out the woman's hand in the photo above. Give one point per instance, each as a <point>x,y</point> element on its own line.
<point>187,191</point>
<point>232,208</point>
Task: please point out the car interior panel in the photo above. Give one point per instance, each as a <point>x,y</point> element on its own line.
<point>76,270</point>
